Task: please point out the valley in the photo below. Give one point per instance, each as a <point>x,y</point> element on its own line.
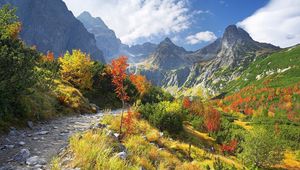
<point>74,95</point>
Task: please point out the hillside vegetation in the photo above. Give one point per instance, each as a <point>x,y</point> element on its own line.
<point>36,86</point>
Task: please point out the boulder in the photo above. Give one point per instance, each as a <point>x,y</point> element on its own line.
<point>94,108</point>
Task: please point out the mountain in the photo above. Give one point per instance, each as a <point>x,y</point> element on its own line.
<point>139,52</point>
<point>168,56</point>
<point>206,53</point>
<point>50,26</point>
<point>210,67</point>
<point>106,39</point>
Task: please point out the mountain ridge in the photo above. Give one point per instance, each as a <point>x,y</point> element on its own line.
<point>106,39</point>
<point>221,61</point>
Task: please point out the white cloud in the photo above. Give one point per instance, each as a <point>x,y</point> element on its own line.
<point>277,23</point>
<point>205,36</point>
<point>135,19</point>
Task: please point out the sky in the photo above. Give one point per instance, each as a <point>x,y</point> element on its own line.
<point>193,24</point>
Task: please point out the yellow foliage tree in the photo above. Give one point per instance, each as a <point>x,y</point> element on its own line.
<point>76,68</point>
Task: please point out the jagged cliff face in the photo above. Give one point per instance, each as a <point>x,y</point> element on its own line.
<point>212,66</point>
<point>106,39</point>
<point>50,26</point>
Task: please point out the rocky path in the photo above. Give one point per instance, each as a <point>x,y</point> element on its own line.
<point>34,147</point>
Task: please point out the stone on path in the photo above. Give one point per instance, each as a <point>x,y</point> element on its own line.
<point>30,124</point>
<point>22,156</point>
<point>44,132</point>
<point>35,160</point>
<point>21,143</point>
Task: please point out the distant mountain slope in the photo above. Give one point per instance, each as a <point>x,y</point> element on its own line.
<point>106,38</point>
<point>206,53</point>
<point>50,26</point>
<point>139,52</point>
<point>168,56</point>
<point>211,67</point>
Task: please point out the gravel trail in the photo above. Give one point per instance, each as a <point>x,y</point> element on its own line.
<point>33,148</point>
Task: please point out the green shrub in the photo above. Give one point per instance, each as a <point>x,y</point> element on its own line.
<point>198,123</point>
<point>155,95</point>
<point>17,64</point>
<point>171,122</point>
<point>290,135</point>
<point>166,116</point>
<point>261,148</point>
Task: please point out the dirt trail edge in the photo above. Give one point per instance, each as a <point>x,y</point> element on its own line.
<point>33,148</point>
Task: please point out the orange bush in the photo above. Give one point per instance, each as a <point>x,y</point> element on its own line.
<point>186,103</point>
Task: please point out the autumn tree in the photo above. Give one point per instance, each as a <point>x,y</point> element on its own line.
<point>186,103</point>
<point>212,120</point>
<point>10,27</point>
<point>118,72</point>
<point>76,68</point>
<point>47,71</point>
<point>197,107</point>
<point>140,83</point>
<point>128,122</point>
<point>229,147</point>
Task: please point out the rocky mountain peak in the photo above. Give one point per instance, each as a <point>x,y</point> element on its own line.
<point>233,34</point>
<point>167,40</point>
<point>168,55</point>
<point>91,21</point>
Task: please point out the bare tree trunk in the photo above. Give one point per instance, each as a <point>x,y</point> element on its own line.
<point>123,105</point>
<point>190,147</point>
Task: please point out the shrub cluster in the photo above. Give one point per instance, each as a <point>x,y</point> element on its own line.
<point>167,116</point>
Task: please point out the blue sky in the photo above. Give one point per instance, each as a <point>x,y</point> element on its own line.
<point>195,23</point>
<point>219,15</point>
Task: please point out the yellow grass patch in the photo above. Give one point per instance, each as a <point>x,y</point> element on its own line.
<point>289,162</point>
<point>243,124</point>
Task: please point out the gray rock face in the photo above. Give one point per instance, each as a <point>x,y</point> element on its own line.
<point>106,39</point>
<point>50,26</point>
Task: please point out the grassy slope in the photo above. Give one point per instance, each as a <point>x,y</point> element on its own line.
<point>144,145</point>
<point>277,76</point>
<point>287,58</point>
<point>62,99</point>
